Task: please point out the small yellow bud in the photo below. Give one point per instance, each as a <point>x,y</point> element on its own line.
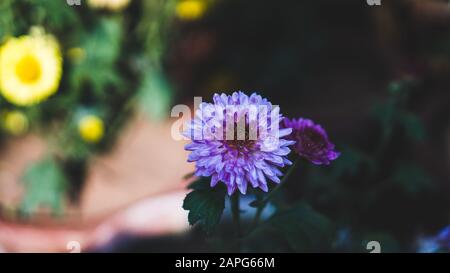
<point>91,128</point>
<point>190,9</point>
<point>15,122</point>
<point>76,54</point>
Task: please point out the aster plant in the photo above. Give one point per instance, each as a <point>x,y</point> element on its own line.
<point>239,143</point>
<point>235,155</point>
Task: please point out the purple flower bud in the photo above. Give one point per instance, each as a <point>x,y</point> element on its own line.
<point>312,141</point>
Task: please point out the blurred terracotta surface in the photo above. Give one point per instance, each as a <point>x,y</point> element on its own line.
<point>15,154</point>
<point>137,187</point>
<point>145,161</point>
<point>154,216</point>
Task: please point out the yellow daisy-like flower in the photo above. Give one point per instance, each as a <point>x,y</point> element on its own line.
<point>190,9</point>
<point>30,68</point>
<point>15,122</point>
<point>113,5</point>
<point>91,128</point>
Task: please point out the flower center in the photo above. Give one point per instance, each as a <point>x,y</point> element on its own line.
<point>240,145</point>
<point>28,69</point>
<point>312,140</point>
<point>241,142</point>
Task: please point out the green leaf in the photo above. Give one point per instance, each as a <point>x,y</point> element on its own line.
<point>298,229</point>
<point>385,113</point>
<point>400,88</point>
<point>205,204</point>
<point>349,162</point>
<point>45,185</point>
<point>154,27</point>
<point>393,113</point>
<point>412,179</point>
<point>155,95</point>
<point>102,46</point>
<point>200,184</point>
<point>6,19</point>
<point>56,14</point>
<point>413,126</point>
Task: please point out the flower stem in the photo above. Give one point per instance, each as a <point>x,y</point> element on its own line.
<point>266,200</point>
<point>236,211</point>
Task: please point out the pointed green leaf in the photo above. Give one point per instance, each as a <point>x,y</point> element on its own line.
<point>413,126</point>
<point>155,95</point>
<point>205,204</point>
<point>45,186</point>
<point>412,179</point>
<point>102,47</point>
<point>297,229</point>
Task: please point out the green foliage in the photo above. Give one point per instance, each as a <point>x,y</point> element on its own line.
<point>386,114</point>
<point>155,94</point>
<point>45,187</point>
<point>350,162</point>
<point>205,204</point>
<point>102,48</point>
<point>393,112</point>
<point>57,15</point>
<point>154,26</point>
<point>69,138</point>
<point>6,19</point>
<point>298,229</point>
<point>99,50</point>
<point>412,179</point>
<point>412,125</point>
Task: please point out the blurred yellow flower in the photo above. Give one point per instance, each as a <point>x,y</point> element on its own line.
<point>30,68</point>
<point>15,122</point>
<point>91,128</point>
<point>190,9</point>
<point>113,5</point>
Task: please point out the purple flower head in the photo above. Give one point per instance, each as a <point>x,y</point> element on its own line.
<point>237,140</point>
<point>436,243</point>
<point>311,141</point>
<point>443,238</point>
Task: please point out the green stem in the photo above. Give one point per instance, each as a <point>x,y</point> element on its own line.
<point>235,210</point>
<point>266,200</point>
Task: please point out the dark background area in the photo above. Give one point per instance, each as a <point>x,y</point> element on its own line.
<point>357,70</point>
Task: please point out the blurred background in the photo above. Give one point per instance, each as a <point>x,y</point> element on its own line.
<point>93,160</point>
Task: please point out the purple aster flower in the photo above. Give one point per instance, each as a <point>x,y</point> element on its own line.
<point>237,140</point>
<point>444,238</point>
<point>437,243</point>
<point>311,141</point>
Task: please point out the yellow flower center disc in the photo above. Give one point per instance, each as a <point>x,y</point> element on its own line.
<point>28,69</point>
